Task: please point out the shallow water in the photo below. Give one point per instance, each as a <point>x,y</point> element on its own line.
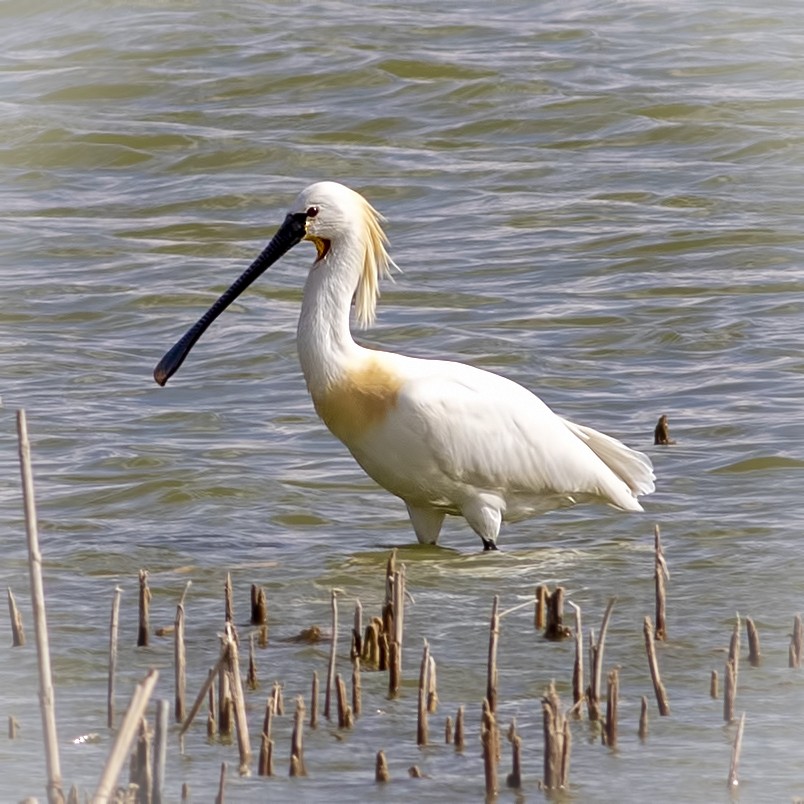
<point>600,200</point>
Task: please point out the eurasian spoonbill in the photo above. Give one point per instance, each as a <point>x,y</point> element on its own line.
<point>445,437</point>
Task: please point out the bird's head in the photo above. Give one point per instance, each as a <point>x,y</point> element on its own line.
<point>326,213</point>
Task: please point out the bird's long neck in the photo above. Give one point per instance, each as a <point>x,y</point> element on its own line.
<point>323,338</point>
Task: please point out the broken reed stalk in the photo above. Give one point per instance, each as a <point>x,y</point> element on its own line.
<point>643,718</point>
<point>114,623</point>
<point>734,765</point>
<point>357,630</point>
<point>658,687</point>
<point>514,778</point>
<point>357,704</point>
<point>225,703</point>
<point>459,739</point>
<point>395,643</point>
<point>754,652</point>
<point>160,751</point>
<point>555,628</point>
<point>448,730</point>
<point>13,727</point>
<point>540,613</point>
<point>251,678</point>
<point>344,710</point>
<point>491,667</point>
<point>236,684</point>
<point>141,770</point>
<point>220,798</point>
<point>729,690</point>
<point>421,720</point>
<point>228,599</point>
<point>202,693</point>
<point>596,659</point>
<point>713,685</point>
<point>577,668</point>
<point>661,576</point>
<point>612,696</point>
<point>488,739</point>
<point>297,767</point>
<point>732,670</point>
<point>381,768</point>
<point>432,691</point>
<point>125,737</point>
<point>144,627</point>
<point>259,606</point>
<point>265,765</point>
<point>179,665</point>
<point>331,667</point>
<point>17,631</point>
<point>46,695</point>
<point>557,741</point>
<point>796,642</point>
<point>314,702</point>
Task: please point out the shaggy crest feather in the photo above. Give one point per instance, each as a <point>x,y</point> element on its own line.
<point>377,264</point>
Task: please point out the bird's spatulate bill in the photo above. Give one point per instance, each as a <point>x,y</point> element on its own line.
<point>289,234</point>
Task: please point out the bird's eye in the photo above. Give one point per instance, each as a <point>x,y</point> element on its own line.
<point>312,212</point>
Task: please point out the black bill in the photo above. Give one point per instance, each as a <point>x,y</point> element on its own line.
<point>290,233</point>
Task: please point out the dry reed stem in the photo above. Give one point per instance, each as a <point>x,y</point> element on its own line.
<point>179,664</point>
<point>297,766</point>
<point>17,631</point>
<point>125,737</point>
<point>114,627</point>
<point>612,698</point>
<point>314,702</point>
<point>251,677</point>
<point>381,768</point>
<point>228,599</point>
<point>141,771</point>
<point>661,576</point>
<point>344,710</point>
<point>448,730</point>
<point>643,718</point>
<point>713,685</point>
<point>332,650</point>
<point>514,778</point>
<point>754,652</point>
<point>13,727</point>
<point>211,676</point>
<point>557,741</point>
<point>432,691</point>
<point>577,668</point>
<point>459,730</point>
<point>555,629</point>
<point>796,642</point>
<point>729,690</point>
<point>55,793</point>
<point>225,703</point>
<point>734,766</point>
<point>658,687</point>
<point>488,739</point>
<point>220,798</point>
<point>357,704</point>
<point>540,612</point>
<point>160,751</point>
<point>259,606</point>
<point>491,666</point>
<point>357,630</point>
<point>144,627</point>
<point>236,684</point>
<point>734,646</point>
<point>421,720</point>
<point>596,658</point>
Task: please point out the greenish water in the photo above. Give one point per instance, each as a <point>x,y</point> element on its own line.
<point>601,200</point>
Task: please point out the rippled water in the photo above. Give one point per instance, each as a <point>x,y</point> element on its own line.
<point>601,200</point>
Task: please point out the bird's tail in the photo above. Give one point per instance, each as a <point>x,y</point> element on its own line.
<point>633,468</point>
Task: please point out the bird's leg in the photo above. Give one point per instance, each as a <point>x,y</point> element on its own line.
<point>484,516</point>
<point>426,523</point>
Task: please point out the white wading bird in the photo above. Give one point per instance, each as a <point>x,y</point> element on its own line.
<point>445,437</point>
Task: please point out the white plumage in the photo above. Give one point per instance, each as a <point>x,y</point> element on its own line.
<point>445,437</point>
